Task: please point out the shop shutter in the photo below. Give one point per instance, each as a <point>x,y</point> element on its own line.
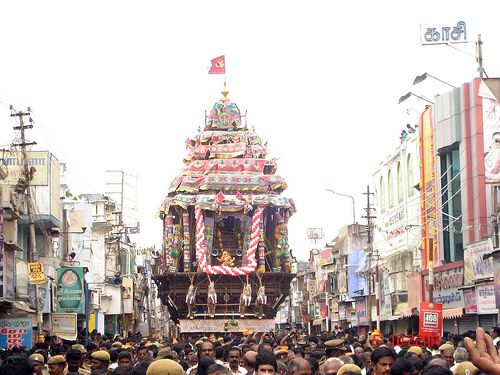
<point>487,321</point>
<point>467,323</point>
<point>449,326</point>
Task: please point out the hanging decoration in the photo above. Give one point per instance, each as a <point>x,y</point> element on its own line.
<point>186,242</point>
<point>201,252</point>
<point>168,237</point>
<point>176,249</point>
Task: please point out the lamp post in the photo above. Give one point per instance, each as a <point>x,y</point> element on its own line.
<point>410,94</point>
<point>424,76</point>
<point>348,196</point>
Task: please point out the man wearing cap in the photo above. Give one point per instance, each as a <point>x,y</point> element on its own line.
<point>100,360</point>
<point>281,354</point>
<point>57,365</point>
<point>335,348</point>
<point>446,351</point>
<point>465,368</point>
<point>165,367</point>
<point>38,362</point>
<point>416,350</point>
<point>349,369</point>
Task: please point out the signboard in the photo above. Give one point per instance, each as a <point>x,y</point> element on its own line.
<point>475,267</point>
<point>431,319</point>
<point>219,325</point>
<point>385,300</point>
<point>361,312</point>
<point>491,134</point>
<point>356,284</point>
<point>446,287</point>
<point>439,34</point>
<point>64,325</point>
<point>470,301</point>
<point>496,270</point>
<point>15,332</point>
<point>485,295</point>
<point>427,187</point>
<point>110,325</point>
<point>7,265</point>
<point>36,273</point>
<point>326,256</point>
<point>70,287</point>
<point>37,159</point>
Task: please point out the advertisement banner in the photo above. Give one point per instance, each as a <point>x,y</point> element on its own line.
<point>485,295</point>
<point>128,294</point>
<point>496,280</point>
<point>470,301</point>
<point>356,284</point>
<point>447,286</point>
<point>70,288</point>
<point>37,159</point>
<point>64,325</point>
<point>361,312</point>
<point>475,267</point>
<point>36,273</point>
<point>15,332</point>
<point>110,325</point>
<point>491,134</point>
<point>431,319</point>
<point>427,188</point>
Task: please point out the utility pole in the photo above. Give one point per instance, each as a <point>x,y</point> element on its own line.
<point>369,241</point>
<point>26,181</point>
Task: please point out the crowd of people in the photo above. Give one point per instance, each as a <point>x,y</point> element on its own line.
<point>293,353</point>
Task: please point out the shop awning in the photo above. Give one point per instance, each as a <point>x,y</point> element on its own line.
<point>400,309</point>
<point>457,312</point>
<point>406,313</point>
<point>317,322</point>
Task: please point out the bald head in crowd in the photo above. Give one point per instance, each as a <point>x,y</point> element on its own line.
<point>332,366</point>
<point>249,360</point>
<point>299,366</point>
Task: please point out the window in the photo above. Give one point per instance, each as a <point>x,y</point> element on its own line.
<point>409,177</point>
<point>390,190</point>
<point>451,206</point>
<point>382,194</point>
<point>399,177</point>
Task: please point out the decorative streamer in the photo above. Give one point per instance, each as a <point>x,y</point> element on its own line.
<point>187,249</point>
<point>168,237</point>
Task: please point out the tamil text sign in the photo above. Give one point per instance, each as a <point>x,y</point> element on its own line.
<point>15,332</point>
<point>431,319</point>
<point>70,287</point>
<point>447,284</point>
<point>36,273</point>
<point>485,295</point>
<point>448,34</point>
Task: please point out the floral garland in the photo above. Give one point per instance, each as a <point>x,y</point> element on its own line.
<point>201,247</point>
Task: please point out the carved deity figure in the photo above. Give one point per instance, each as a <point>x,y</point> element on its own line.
<point>245,299</point>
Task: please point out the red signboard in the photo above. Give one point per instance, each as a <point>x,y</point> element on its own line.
<point>431,319</point>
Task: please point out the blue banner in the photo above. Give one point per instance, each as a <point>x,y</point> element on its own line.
<point>356,274</point>
<point>15,332</point>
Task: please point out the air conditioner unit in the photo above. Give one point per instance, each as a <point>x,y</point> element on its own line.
<point>10,231</point>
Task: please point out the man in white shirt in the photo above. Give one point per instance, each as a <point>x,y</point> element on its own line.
<point>495,334</point>
<point>234,360</point>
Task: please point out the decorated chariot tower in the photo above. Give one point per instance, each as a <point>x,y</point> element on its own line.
<point>225,256</point>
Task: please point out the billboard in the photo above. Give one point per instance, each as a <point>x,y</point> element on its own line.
<point>475,266</point>
<point>428,195</point>
<point>491,133</point>
<point>70,288</point>
<point>64,325</point>
<point>39,160</point>
<point>15,332</point>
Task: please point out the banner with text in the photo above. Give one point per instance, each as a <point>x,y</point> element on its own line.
<point>70,287</point>
<point>15,332</point>
<point>431,319</point>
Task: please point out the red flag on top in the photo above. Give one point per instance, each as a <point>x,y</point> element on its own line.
<point>218,66</point>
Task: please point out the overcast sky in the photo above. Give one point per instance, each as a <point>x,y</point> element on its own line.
<point>121,85</point>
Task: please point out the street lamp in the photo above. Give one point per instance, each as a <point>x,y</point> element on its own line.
<point>410,94</point>
<point>422,77</point>
<point>348,196</point>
